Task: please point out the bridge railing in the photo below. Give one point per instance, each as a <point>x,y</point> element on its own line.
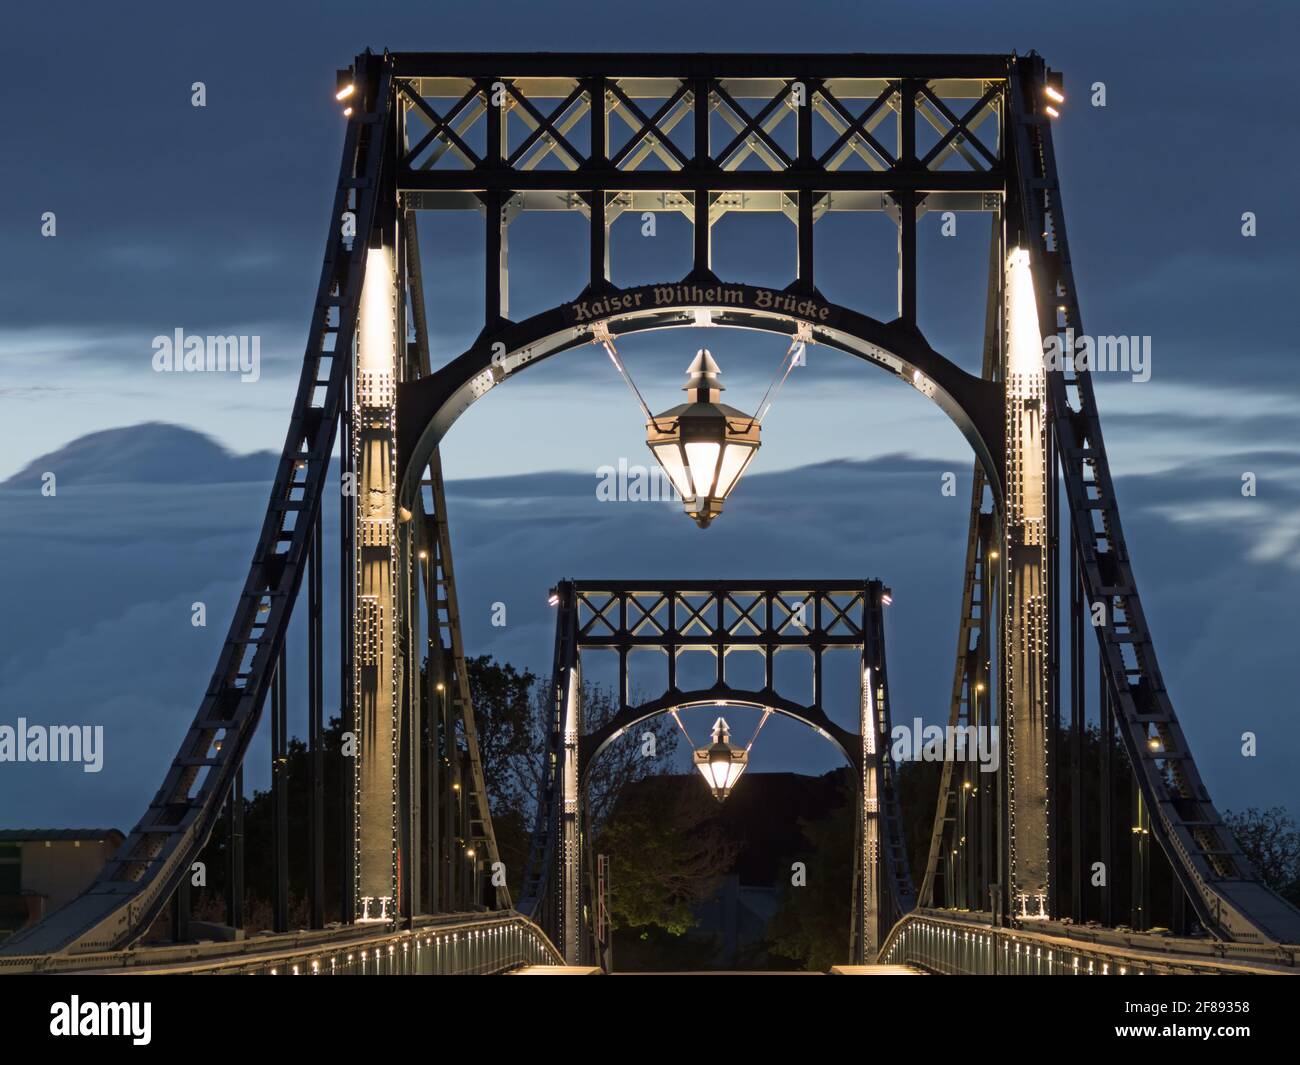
<point>959,943</point>
<point>449,945</point>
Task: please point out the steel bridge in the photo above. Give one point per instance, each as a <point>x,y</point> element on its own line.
<point>1010,883</point>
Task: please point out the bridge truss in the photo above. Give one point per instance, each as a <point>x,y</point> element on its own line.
<point>721,619</point>
<point>705,136</point>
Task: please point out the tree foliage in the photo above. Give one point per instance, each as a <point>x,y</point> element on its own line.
<point>1272,843</point>
<point>667,855</point>
<point>813,923</point>
<point>513,712</point>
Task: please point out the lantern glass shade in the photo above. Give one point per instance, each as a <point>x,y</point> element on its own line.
<point>670,458</point>
<point>734,462</point>
<point>721,764</point>
<point>703,446</point>
<point>702,458</point>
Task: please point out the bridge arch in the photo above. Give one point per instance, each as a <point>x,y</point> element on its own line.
<point>593,744</point>
<point>427,407</point>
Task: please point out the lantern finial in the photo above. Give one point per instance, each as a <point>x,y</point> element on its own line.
<point>703,374</point>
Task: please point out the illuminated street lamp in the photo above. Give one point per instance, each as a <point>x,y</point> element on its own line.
<point>721,764</point>
<point>704,446</point>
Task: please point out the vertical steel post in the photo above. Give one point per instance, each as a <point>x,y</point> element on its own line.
<point>280,792</point>
<point>406,599</point>
<point>805,279</point>
<point>235,872</point>
<point>376,615</point>
<point>1105,734</point>
<point>907,202</point>
<point>315,731</point>
<point>988,804</point>
<point>1026,597</point>
<point>432,726</point>
<point>983,795</point>
<point>406,753</point>
<point>181,910</point>
<point>1140,864</point>
<point>1003,883</point>
<point>451,797</point>
<point>1052,591</point>
<point>599,233</point>
<point>1078,711</point>
<point>348,760</point>
<point>960,836</point>
<point>872,874</point>
<point>701,256</point>
<point>568,687</point>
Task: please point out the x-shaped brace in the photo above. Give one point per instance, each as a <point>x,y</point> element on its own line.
<point>544,126</point>
<point>958,131</point>
<point>752,126</point>
<point>599,614</point>
<point>546,130</point>
<point>440,127</point>
<point>858,128</point>
<point>744,615</point>
<point>694,614</point>
<point>792,612</point>
<point>649,126</point>
<point>646,615</point>
<point>839,614</point>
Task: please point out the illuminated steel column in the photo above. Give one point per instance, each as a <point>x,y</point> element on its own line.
<point>870,856</point>
<point>566,814</point>
<point>375,670</point>
<point>571,817</point>
<point>1025,595</point>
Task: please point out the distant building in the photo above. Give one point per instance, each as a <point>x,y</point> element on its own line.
<point>41,869</point>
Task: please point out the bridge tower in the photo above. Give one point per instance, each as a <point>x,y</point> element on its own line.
<point>1027,593</point>
<point>378,673</point>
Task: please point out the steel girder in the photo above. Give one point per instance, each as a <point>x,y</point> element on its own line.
<point>700,135</point>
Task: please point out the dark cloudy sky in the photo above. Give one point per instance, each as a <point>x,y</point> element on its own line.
<point>212,220</point>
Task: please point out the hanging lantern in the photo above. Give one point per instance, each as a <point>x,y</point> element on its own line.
<point>703,446</point>
<point>721,764</point>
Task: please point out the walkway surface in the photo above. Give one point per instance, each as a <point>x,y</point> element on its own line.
<point>837,970</point>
